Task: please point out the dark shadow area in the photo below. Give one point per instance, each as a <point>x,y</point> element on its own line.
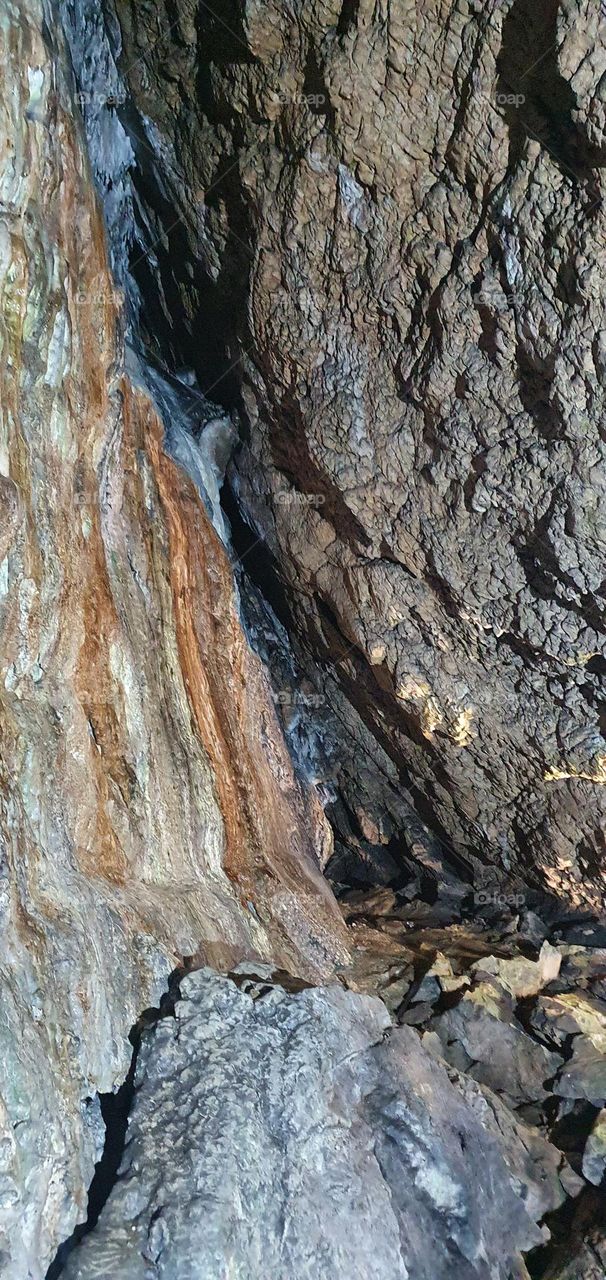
<point>198,316</point>
<point>535,382</point>
<point>255,559</point>
<point>536,100</point>
<point>115,1109</point>
<point>571,1226</point>
<point>348,16</point>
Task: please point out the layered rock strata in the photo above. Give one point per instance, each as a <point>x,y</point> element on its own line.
<point>148,809</point>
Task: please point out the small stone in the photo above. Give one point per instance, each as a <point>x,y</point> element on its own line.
<point>416,1015</point>
<point>594,1155</point>
<point>429,990</point>
<point>522,977</point>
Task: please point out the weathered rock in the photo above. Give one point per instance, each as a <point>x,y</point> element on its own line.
<point>421,396</point>
<point>299,1136</point>
<point>522,977</point>
<point>584,1074</point>
<point>149,808</point>
<point>499,1052</point>
<point>594,1155</point>
<point>536,1166</point>
<point>396,225</point>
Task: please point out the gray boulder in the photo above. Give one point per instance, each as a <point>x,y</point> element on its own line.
<point>301,1136</point>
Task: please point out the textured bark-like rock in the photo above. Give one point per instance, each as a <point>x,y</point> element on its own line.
<point>299,1136</point>
<point>148,807</point>
<point>395,217</point>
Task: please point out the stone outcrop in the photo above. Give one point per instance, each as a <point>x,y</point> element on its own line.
<point>383,229</point>
<point>149,809</point>
<point>291,1135</point>
<point>256,1092</point>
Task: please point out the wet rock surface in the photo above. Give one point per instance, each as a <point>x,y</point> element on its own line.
<point>149,809</point>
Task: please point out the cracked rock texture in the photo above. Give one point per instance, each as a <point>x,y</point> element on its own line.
<point>148,805</point>
<point>374,234</point>
<point>394,216</point>
<point>299,1135</point>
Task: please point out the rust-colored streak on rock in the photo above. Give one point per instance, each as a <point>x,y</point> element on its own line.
<point>142,815</point>
<point>260,799</point>
<point>422,402</point>
<point>187,526</point>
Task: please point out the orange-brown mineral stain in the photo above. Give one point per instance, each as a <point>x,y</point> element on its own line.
<point>269,831</point>
<point>200,604</point>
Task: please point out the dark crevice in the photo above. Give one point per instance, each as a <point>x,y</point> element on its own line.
<point>115,1109</point>
<point>570,1132</point>
<point>369,693</point>
<point>536,99</point>
<point>222,33</point>
<point>255,559</point>
<point>188,322</point>
<point>172,322</point>
<point>348,16</point>
<point>571,1227</point>
<point>315,89</point>
<point>536,387</point>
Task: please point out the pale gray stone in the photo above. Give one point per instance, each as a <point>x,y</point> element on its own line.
<point>300,1136</point>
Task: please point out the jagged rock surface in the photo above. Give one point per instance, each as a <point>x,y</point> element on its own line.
<point>149,808</point>
<point>395,217</point>
<point>299,1135</point>
<point>418,354</point>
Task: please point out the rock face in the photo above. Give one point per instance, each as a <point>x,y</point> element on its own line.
<point>394,220</point>
<point>149,808</point>
<point>375,237</point>
<point>298,1135</point>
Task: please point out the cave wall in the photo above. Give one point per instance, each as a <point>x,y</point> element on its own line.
<point>149,810</point>
<point>394,217</point>
<point>397,288</point>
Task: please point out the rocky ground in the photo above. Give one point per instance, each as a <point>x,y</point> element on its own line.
<point>439,1112</point>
